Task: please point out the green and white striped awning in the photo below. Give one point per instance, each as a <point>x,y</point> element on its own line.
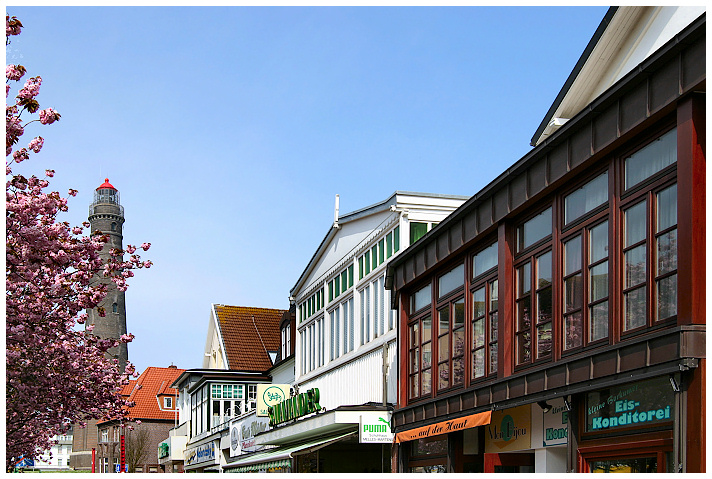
<point>280,456</point>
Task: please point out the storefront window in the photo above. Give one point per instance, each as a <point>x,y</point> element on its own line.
<point>635,465</point>
<point>428,454</point>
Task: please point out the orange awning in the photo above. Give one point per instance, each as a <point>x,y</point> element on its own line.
<point>444,427</point>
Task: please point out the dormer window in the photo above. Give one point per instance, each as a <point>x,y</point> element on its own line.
<point>168,402</point>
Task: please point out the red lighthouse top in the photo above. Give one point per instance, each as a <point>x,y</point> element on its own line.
<point>106,185</point>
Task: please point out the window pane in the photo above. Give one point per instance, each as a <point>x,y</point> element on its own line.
<point>427,355</point>
<point>444,348</point>
<point>667,208</point>
<point>635,224</point>
<point>478,333</point>
<point>573,293</point>
<point>459,313</point>
<point>478,363</point>
<point>414,361</point>
<point>523,308</point>
<point>524,276</point>
<point>420,299</point>
<point>667,297</point>
<point>649,160</point>
<point>417,231</point>
<point>543,270</point>
<point>374,258</point>
<point>367,262</point>
<point>389,245</point>
<point>524,348</point>
<point>444,320</point>
<point>426,328</point>
<point>443,375</point>
<point>667,252</point>
<point>485,260</point>
<point>414,339</point>
<point>458,370</point>
<point>599,281</point>
<point>543,346</point>
<point>635,266</point>
<point>451,280</point>
<point>396,239</point>
<point>543,305</point>
<point>533,230</point>
<point>381,252</point>
<point>427,381</point>
<point>494,294</point>
<point>458,342</point>
<point>573,327</point>
<point>599,321</point>
<point>572,256</point>
<point>478,303</point>
<point>598,242</point>
<point>493,359</point>
<point>634,306</point>
<point>414,391</point>
<point>493,326</point>
<point>589,196</point>
<point>360,267</point>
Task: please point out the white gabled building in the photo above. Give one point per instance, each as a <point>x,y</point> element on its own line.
<point>346,334</point>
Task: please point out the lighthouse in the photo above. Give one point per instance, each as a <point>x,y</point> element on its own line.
<point>106,216</point>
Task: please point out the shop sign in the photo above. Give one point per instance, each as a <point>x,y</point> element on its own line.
<point>633,405</point>
<point>445,427</point>
<point>375,431</point>
<point>270,395</point>
<point>199,454</point>
<point>164,450</point>
<point>509,430</point>
<point>242,434</point>
<point>556,431</point>
<point>294,407</point>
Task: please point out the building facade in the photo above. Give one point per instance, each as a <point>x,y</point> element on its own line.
<point>61,452</point>
<point>556,321</point>
<point>242,346</point>
<point>154,413</point>
<point>344,353</point>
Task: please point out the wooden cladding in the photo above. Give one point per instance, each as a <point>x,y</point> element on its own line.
<point>649,92</point>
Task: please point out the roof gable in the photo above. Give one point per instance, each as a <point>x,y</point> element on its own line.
<point>248,335</point>
<point>146,389</point>
<point>623,40</point>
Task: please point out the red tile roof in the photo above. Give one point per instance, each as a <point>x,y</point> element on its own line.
<point>153,381</point>
<point>248,333</point>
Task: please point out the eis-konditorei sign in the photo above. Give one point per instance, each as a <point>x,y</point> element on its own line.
<point>645,403</point>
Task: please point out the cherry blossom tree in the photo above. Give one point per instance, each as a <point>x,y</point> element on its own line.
<point>56,374</point>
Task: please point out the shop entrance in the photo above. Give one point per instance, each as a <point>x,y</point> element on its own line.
<point>509,462</point>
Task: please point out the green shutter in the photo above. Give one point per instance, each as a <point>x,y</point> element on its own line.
<point>396,239</point>
<point>381,252</point>
<point>389,244</point>
<point>367,260</point>
<point>351,275</point>
<point>360,268</point>
<point>374,258</point>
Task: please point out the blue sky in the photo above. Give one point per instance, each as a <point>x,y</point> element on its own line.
<point>228,131</point>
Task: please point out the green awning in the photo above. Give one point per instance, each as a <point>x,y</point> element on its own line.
<point>280,456</point>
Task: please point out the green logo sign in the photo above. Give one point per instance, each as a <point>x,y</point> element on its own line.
<point>272,396</point>
<point>294,407</point>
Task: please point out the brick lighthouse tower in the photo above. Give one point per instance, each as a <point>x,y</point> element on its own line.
<point>106,216</point>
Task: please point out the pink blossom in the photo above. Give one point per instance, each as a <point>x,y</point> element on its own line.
<point>48,116</point>
<point>49,173</point>
<point>14,72</point>
<point>147,264</point>
<point>31,88</point>
<point>130,249</point>
<point>145,246</point>
<point>21,155</point>
<point>13,26</point>
<point>73,192</point>
<point>36,144</point>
